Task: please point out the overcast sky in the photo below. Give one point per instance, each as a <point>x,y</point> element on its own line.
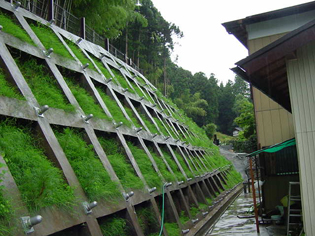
<point>206,46</point>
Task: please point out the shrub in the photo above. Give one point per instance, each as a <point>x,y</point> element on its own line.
<point>91,174</point>
<point>40,183</point>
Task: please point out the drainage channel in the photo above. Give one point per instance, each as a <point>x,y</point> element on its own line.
<point>202,227</point>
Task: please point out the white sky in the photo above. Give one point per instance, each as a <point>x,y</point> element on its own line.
<point>206,46</point>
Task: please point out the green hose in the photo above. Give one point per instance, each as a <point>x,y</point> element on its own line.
<point>162,220</point>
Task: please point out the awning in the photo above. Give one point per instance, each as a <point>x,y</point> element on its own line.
<point>275,148</point>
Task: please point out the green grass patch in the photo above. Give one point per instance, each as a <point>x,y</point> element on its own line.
<point>105,72</point>
<point>132,116</point>
<point>122,167</point>
<point>138,90</point>
<point>149,124</point>
<point>8,90</point>
<point>173,165</point>
<point>91,174</point>
<point>183,217</point>
<point>121,80</point>
<point>194,211</point>
<point>233,178</point>
<point>173,134</point>
<point>147,221</point>
<point>80,55</point>
<point>113,108</point>
<point>184,165</point>
<point>202,206</point>
<point>6,210</point>
<point>161,126</point>
<point>11,26</point>
<point>140,80</point>
<point>209,201</point>
<point>40,183</point>
<point>86,101</point>
<point>50,40</point>
<point>114,226</point>
<point>146,167</point>
<point>168,176</point>
<point>172,229</point>
<point>44,87</point>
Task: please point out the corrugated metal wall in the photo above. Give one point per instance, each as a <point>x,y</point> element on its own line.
<point>301,79</point>
<point>273,123</point>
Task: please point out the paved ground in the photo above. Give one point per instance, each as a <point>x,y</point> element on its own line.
<point>230,225</point>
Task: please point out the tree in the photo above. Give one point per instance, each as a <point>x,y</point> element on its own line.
<point>245,119</point>
<point>226,113</point>
<point>210,130</point>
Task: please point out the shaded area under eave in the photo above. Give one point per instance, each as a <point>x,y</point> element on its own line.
<point>266,69</point>
<point>275,148</point>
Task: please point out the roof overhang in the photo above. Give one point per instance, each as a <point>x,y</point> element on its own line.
<point>238,27</point>
<point>266,69</point>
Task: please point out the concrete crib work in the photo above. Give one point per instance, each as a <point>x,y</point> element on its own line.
<point>201,179</point>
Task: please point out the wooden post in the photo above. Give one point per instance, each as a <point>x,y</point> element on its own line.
<point>51,14</point>
<point>82,28</point>
<point>254,193</point>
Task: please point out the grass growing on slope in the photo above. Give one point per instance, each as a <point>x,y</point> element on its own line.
<point>7,89</point>
<point>91,174</point>
<point>172,229</point>
<point>138,90</point>
<point>233,178</point>
<point>193,211</point>
<point>10,26</point>
<point>44,87</point>
<point>40,183</point>
<point>173,165</point>
<point>86,101</point>
<point>6,211</point>
<point>80,55</point>
<point>122,168</point>
<point>114,226</point>
<point>149,124</point>
<point>161,126</point>
<point>132,116</point>
<point>183,217</point>
<point>168,176</point>
<point>113,108</point>
<point>121,80</point>
<point>147,220</point>
<point>183,164</point>
<point>146,167</point>
<point>50,40</point>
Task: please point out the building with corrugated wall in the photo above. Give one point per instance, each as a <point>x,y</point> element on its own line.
<point>280,69</point>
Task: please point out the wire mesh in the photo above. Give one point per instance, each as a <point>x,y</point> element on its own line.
<point>71,23</point>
